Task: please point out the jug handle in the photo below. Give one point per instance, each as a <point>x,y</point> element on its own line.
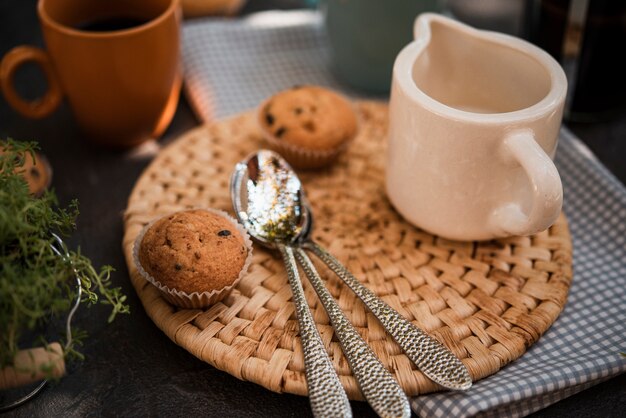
<point>546,188</point>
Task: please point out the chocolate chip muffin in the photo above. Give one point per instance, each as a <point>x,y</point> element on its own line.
<point>36,172</point>
<point>195,257</point>
<point>308,125</point>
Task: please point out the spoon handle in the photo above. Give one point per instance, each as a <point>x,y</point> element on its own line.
<point>326,394</point>
<point>429,355</point>
<point>377,385</point>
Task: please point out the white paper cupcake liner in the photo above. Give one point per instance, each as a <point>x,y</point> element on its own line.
<point>195,300</point>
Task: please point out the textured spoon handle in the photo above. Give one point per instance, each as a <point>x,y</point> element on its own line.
<point>377,385</point>
<point>326,394</point>
<point>428,354</point>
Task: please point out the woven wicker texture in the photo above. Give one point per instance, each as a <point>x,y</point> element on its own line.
<point>488,302</point>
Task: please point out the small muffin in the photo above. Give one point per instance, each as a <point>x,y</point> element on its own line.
<point>308,125</point>
<point>36,172</point>
<point>194,257</point>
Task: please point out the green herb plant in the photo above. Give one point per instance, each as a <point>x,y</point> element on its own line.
<point>36,284</point>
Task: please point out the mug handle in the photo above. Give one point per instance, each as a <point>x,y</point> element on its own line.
<point>11,62</point>
<point>546,188</point>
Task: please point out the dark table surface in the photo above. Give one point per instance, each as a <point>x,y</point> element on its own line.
<point>131,367</point>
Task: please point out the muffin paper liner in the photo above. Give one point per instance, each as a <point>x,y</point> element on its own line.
<point>195,300</point>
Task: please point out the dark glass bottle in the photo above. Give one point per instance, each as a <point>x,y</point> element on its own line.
<point>589,38</point>
<point>547,24</point>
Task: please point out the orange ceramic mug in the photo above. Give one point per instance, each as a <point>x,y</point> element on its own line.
<point>116,61</point>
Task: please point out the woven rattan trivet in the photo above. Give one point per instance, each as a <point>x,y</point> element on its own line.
<point>487,302</point>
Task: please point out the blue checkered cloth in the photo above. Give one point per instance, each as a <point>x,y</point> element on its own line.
<point>232,65</point>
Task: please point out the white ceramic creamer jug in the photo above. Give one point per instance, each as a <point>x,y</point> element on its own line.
<point>474,123</point>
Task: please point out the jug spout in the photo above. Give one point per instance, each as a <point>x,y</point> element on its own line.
<point>427,25</point>
<point>422,27</point>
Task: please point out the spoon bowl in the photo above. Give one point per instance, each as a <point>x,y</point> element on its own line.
<point>269,199</point>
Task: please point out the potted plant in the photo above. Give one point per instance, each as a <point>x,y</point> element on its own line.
<point>40,278</point>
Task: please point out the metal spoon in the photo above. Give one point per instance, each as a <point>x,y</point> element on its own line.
<point>266,196</point>
<point>378,386</point>
<point>429,355</point>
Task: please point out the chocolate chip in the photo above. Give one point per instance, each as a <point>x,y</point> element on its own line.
<point>269,118</point>
<point>34,172</point>
<point>296,86</point>
<point>280,132</point>
<point>178,266</point>
<point>224,233</point>
<point>297,110</point>
<point>309,126</point>
<point>197,255</point>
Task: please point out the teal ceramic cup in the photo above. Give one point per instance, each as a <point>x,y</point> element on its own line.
<point>366,35</point>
